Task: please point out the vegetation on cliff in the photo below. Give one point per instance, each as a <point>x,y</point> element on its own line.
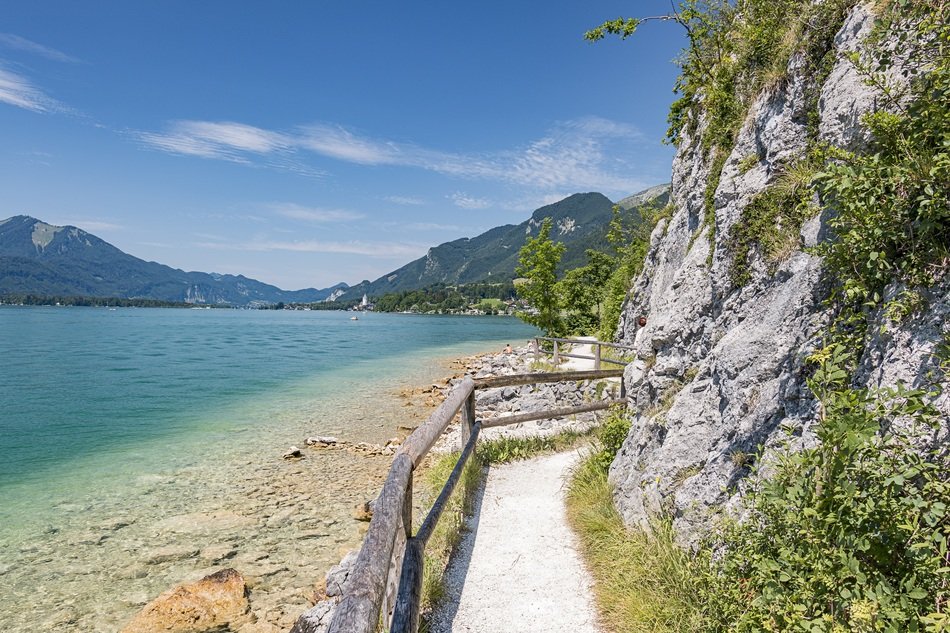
<point>853,533</point>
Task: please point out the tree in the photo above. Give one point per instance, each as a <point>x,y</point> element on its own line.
<point>582,291</point>
<point>537,264</point>
<point>629,236</point>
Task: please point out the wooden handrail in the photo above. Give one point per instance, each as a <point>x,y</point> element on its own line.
<point>406,614</point>
<point>364,604</point>
<point>505,420</point>
<point>557,354</point>
<point>422,439</point>
<point>359,609</point>
<point>515,380</point>
<point>582,341</point>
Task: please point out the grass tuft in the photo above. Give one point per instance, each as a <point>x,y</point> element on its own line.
<point>448,532</point>
<point>642,581</point>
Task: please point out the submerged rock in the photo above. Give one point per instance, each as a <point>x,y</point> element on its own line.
<point>214,603</point>
<point>170,553</point>
<point>321,441</point>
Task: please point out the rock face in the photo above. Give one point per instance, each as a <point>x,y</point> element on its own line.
<point>317,618</point>
<point>216,602</point>
<point>721,369</point>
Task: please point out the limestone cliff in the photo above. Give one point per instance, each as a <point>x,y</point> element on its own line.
<point>722,368</point>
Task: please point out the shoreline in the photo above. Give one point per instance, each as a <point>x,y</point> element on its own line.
<point>279,592</point>
<point>87,557</point>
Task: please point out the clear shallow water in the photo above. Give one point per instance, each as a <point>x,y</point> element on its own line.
<point>136,416</point>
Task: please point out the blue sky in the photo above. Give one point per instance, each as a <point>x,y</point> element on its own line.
<point>308,143</point>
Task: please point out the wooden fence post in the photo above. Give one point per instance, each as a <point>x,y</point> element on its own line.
<point>359,609</point>
<point>403,534</point>
<point>557,358</point>
<point>406,616</point>
<point>537,350</point>
<point>467,419</point>
<point>597,358</point>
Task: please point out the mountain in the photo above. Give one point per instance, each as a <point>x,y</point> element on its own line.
<point>658,193</point>
<point>42,259</point>
<point>580,222</point>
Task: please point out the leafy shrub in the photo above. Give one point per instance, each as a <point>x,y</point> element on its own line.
<point>613,432</point>
<point>508,449</point>
<point>849,535</point>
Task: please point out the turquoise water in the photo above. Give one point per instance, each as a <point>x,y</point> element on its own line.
<point>86,388</point>
<point>150,413</point>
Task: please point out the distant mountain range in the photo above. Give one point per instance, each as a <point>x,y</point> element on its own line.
<point>580,223</point>
<point>42,259</point>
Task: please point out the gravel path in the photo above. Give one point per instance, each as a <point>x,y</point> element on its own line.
<point>518,569</point>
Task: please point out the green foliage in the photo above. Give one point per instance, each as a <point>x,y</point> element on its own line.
<point>624,27</point>
<point>735,49</point>
<point>849,535</point>
<point>613,431</point>
<point>747,163</point>
<point>773,219</point>
<point>893,204</point>
<point>853,533</point>
<point>643,581</point>
<point>629,236</point>
<point>581,292</point>
<point>447,299</point>
<point>537,263</point>
<point>27,299</point>
<point>508,449</point>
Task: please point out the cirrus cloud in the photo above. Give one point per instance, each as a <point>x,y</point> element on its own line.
<point>464,201</point>
<point>591,153</point>
<point>17,90</point>
<point>314,214</point>
<point>381,250</point>
<point>15,42</point>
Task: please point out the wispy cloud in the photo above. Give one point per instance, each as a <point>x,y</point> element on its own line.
<point>224,140</point>
<point>17,90</point>
<point>465,201</point>
<point>405,200</point>
<point>368,249</point>
<point>91,226</point>
<point>590,153</point>
<point>15,42</point>
<point>336,142</point>
<point>314,214</point>
<point>433,226</point>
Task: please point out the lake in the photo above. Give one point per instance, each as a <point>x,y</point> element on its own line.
<point>141,447</point>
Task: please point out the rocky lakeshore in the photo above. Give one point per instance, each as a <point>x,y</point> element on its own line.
<point>284,522</point>
<point>277,523</point>
<point>90,558</point>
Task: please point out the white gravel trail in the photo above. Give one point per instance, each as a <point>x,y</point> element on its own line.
<point>518,569</point>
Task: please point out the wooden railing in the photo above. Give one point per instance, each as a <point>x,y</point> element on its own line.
<point>390,551</point>
<point>557,354</point>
